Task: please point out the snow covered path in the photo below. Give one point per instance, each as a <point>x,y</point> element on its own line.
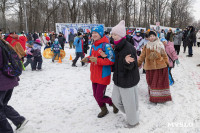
<point>59,100</point>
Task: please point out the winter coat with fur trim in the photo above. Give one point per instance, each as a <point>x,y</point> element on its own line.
<point>154,55</point>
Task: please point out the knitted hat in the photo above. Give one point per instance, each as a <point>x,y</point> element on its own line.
<point>37,40</point>
<point>56,41</point>
<point>99,29</point>
<point>47,38</point>
<point>152,33</point>
<point>120,29</point>
<point>128,32</point>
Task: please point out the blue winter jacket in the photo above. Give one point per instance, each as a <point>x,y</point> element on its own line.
<point>78,44</point>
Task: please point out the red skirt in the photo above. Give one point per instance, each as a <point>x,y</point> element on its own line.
<point>158,82</point>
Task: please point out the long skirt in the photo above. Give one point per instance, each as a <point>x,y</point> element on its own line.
<point>158,85</point>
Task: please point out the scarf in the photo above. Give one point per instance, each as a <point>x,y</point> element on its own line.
<point>117,42</point>
<point>156,45</point>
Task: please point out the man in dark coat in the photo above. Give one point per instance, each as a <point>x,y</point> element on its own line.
<point>85,46</point>
<point>185,32</point>
<point>61,40</point>
<point>71,40</point>
<point>190,39</point>
<point>35,36</point>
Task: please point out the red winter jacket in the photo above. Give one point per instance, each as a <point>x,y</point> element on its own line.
<point>101,72</point>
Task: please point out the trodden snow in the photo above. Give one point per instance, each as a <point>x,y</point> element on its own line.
<point>59,99</point>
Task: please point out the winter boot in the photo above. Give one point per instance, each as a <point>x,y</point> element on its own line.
<point>115,109</point>
<point>104,112</point>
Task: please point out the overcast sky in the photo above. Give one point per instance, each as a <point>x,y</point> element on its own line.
<point>196,9</point>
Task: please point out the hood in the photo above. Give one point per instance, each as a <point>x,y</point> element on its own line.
<point>102,40</point>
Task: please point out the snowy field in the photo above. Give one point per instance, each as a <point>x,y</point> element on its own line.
<point>59,99</point>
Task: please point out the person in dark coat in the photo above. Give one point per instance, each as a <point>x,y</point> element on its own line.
<point>129,38</point>
<point>126,76</point>
<point>85,46</point>
<point>170,35</point>
<point>37,61</point>
<point>29,37</point>
<point>35,36</point>
<point>142,34</point>
<point>71,40</point>
<point>61,40</point>
<point>7,112</point>
<point>190,39</point>
<point>185,32</point>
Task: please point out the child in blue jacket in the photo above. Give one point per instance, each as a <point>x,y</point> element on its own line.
<point>56,49</point>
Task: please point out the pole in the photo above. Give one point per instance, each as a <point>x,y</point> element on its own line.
<point>25,16</point>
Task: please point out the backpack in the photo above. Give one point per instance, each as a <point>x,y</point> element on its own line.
<point>104,45</point>
<point>103,49</point>
<point>12,65</point>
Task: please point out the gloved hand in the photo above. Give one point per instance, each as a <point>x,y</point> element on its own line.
<point>85,60</point>
<point>177,62</point>
<point>93,59</point>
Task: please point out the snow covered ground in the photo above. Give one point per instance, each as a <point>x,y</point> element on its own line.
<point>59,99</point>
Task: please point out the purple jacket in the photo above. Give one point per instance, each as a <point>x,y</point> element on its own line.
<point>5,82</point>
<point>169,48</point>
<point>137,40</point>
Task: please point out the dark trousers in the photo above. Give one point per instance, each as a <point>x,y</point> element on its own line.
<point>8,112</point>
<point>71,45</point>
<point>184,45</point>
<point>78,54</point>
<point>28,61</point>
<point>184,48</point>
<point>99,94</point>
<point>198,43</point>
<point>195,43</point>
<point>37,62</point>
<point>63,45</point>
<point>56,54</point>
<point>190,50</point>
<point>177,48</point>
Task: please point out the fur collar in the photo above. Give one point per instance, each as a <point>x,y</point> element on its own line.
<point>156,45</point>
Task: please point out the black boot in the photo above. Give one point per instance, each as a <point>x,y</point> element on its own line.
<point>83,63</point>
<point>189,55</point>
<point>104,112</point>
<point>115,109</point>
<point>74,64</point>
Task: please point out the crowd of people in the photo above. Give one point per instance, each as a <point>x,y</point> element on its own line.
<point>121,51</point>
